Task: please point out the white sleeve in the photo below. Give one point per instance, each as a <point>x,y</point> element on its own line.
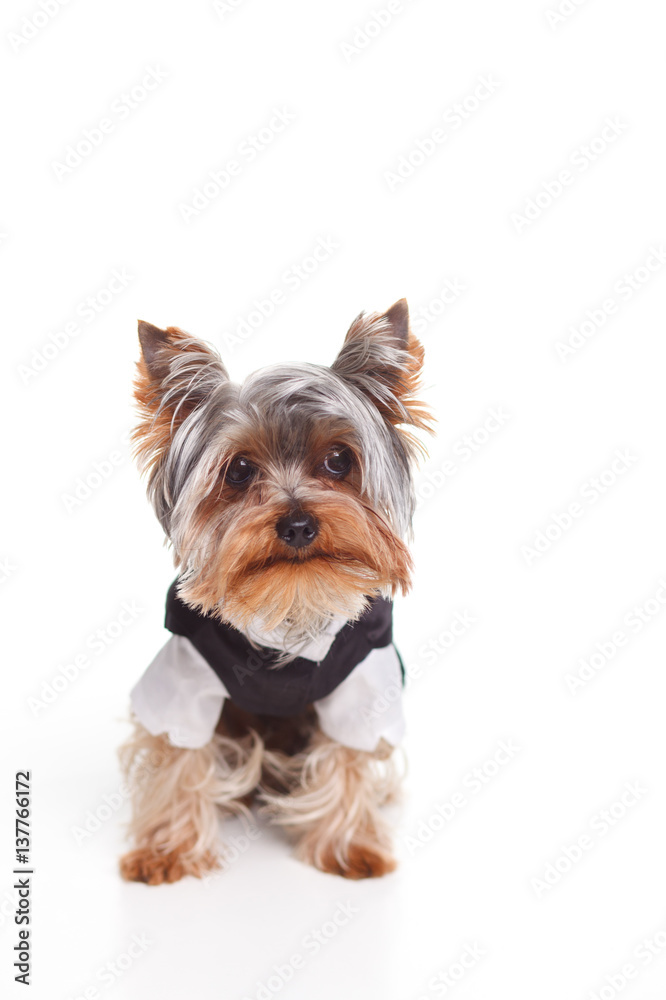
<point>367,706</point>
<point>179,695</point>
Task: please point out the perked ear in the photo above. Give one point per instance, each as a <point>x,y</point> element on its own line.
<point>168,355</point>
<point>155,345</point>
<point>175,368</point>
<point>382,357</point>
<point>175,374</point>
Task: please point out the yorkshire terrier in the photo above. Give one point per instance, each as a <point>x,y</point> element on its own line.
<point>286,500</point>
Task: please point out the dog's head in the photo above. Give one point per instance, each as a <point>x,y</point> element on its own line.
<point>286,498</point>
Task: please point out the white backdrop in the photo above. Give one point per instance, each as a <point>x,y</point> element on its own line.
<point>257,173</point>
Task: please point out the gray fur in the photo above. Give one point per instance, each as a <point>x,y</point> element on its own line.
<point>287,404</point>
<point>290,401</point>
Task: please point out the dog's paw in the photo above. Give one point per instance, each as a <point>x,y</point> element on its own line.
<point>144,865</point>
<point>359,862</point>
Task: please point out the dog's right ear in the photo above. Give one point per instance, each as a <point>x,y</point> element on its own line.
<point>155,345</point>
<point>175,374</point>
<point>171,357</point>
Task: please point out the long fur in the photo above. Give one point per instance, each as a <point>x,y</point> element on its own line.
<point>330,802</point>
<point>333,806</point>
<point>176,795</point>
<point>284,421</point>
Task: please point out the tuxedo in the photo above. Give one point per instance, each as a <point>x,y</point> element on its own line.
<point>350,672</point>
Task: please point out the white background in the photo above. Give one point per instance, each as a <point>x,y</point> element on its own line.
<point>472,880</point>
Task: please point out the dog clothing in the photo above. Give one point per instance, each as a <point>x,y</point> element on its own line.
<point>351,673</point>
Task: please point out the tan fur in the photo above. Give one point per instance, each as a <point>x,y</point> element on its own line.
<point>326,795</point>
<point>333,810</point>
<point>330,802</point>
<point>254,574</point>
<point>175,801</point>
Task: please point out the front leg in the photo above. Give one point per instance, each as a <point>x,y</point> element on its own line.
<point>176,795</point>
<point>333,807</point>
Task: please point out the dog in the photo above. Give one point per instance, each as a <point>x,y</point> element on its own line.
<point>287,501</point>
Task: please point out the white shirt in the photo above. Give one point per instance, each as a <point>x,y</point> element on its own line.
<point>181,696</point>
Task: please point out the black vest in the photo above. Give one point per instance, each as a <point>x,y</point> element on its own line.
<point>245,670</point>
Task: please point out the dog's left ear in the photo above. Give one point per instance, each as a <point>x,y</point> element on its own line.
<point>383,359</point>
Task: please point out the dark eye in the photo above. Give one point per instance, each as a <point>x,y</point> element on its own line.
<point>240,472</point>
<point>338,462</point>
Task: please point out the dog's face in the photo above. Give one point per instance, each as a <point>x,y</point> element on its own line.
<point>286,498</point>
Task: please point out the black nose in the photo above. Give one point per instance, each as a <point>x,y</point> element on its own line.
<point>297,529</point>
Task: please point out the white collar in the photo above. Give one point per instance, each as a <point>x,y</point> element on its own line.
<point>311,648</point>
